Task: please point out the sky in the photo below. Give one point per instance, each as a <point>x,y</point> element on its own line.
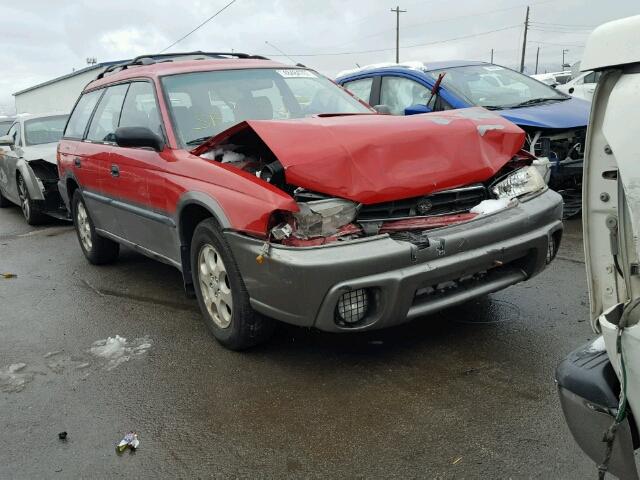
<point>41,39</point>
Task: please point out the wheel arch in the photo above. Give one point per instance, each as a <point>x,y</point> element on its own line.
<point>23,170</point>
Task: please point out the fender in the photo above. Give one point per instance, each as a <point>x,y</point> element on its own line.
<point>30,179</point>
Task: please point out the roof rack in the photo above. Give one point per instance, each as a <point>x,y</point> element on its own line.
<point>168,57</point>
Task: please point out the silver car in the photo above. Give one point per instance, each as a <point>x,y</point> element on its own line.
<point>28,168</point>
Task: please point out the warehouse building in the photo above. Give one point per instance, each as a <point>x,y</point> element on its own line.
<point>59,94</point>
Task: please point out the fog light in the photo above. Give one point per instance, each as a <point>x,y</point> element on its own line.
<point>352,306</point>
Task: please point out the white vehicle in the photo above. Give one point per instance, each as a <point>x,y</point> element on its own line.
<point>599,384</point>
<point>582,86</point>
<point>553,78</point>
<point>28,168</point>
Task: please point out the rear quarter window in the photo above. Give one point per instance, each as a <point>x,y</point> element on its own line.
<point>81,114</point>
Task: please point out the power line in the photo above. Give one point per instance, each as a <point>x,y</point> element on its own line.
<point>565,25</point>
<point>202,24</point>
<point>405,46</point>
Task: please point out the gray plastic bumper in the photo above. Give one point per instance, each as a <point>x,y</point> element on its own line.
<point>303,285</point>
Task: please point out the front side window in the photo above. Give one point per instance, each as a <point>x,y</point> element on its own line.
<point>140,108</point>
<point>399,93</point>
<point>203,104</point>
<point>105,120</point>
<point>39,131</point>
<point>496,87</point>
<point>360,88</point>
<point>81,113</point>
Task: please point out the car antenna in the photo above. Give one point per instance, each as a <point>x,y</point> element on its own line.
<point>436,86</point>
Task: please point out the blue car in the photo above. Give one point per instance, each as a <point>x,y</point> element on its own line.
<point>555,123</point>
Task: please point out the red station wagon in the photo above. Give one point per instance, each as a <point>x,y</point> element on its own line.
<point>281,196</point>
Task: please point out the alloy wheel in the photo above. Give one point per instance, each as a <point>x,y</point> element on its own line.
<point>24,198</point>
<point>84,227</point>
<point>215,286</point>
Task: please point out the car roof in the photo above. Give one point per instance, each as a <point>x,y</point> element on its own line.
<point>23,117</point>
<point>419,66</point>
<point>159,69</point>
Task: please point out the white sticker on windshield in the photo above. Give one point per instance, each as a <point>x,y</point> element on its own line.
<point>296,73</point>
<point>493,68</point>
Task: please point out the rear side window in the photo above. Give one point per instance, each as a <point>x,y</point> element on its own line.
<point>105,120</point>
<point>140,108</point>
<point>360,88</point>
<point>81,114</point>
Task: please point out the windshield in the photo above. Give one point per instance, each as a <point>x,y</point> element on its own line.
<point>5,125</point>
<point>206,103</point>
<point>44,130</point>
<point>496,87</point>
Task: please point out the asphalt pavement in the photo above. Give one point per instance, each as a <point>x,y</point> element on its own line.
<point>467,393</point>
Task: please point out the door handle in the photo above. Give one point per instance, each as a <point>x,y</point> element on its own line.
<point>76,162</point>
<point>115,171</point>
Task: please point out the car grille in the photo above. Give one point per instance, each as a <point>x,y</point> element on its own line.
<point>447,202</point>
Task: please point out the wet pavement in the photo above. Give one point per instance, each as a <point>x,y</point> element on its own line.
<point>467,393</point>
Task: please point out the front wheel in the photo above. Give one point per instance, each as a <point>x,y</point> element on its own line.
<point>97,249</point>
<point>221,292</point>
<point>31,213</point>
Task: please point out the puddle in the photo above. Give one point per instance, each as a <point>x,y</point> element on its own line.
<point>117,350</point>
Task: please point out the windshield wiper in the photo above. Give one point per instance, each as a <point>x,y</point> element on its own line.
<point>536,101</point>
<point>198,141</point>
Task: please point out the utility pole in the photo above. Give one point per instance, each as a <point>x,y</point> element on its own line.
<point>492,55</point>
<point>398,12</point>
<point>537,56</point>
<point>524,40</point>
<point>564,50</point>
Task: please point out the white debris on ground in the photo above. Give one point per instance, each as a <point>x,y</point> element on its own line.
<point>486,207</point>
<point>11,380</point>
<point>117,350</point>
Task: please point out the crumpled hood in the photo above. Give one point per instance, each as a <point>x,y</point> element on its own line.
<point>46,152</point>
<point>378,158</point>
<point>570,113</point>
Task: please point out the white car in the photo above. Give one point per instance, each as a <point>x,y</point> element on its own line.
<point>28,168</point>
<point>599,384</point>
<point>582,86</point>
<point>553,78</point>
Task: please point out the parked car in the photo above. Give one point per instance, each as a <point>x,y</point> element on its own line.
<point>300,203</point>
<point>582,86</point>
<point>554,78</point>
<point>599,383</point>
<point>555,123</point>
<point>28,171</point>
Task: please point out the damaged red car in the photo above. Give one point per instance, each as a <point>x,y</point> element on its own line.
<point>280,196</point>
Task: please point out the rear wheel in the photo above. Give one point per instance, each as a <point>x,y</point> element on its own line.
<point>221,292</point>
<point>30,210</point>
<point>97,249</point>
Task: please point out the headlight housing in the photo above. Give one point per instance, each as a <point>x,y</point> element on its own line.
<point>522,181</point>
<point>321,218</point>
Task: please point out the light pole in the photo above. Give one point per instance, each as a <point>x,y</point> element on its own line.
<point>564,50</point>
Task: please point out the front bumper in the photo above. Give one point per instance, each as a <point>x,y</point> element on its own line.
<point>302,286</point>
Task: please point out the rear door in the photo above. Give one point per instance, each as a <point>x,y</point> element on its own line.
<point>137,178</point>
<point>98,147</point>
<point>76,160</point>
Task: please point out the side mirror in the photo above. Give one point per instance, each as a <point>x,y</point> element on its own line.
<point>382,109</point>
<point>6,141</point>
<point>138,137</point>
<point>415,109</point>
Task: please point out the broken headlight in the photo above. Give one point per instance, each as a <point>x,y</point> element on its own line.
<point>522,181</point>
<point>322,218</point>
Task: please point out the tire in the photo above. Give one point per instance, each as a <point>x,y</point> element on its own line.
<point>216,278</point>
<point>30,210</point>
<point>97,249</point>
